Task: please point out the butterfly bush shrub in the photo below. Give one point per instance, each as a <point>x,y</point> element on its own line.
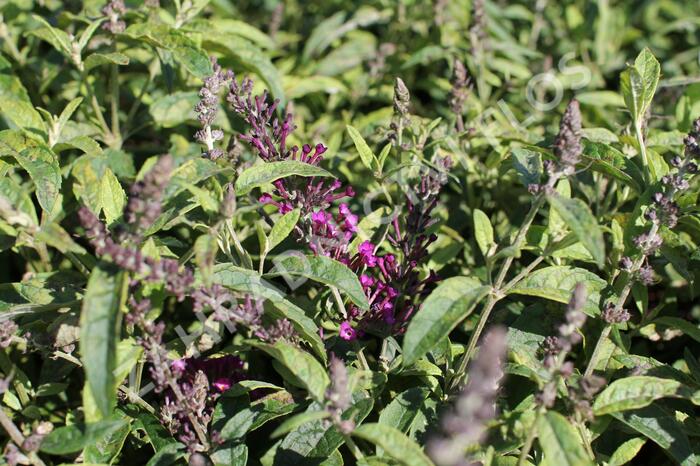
<point>448,233</point>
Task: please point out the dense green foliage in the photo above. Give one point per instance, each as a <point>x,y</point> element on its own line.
<point>495,259</point>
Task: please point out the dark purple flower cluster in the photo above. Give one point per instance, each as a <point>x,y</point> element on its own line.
<point>268,134</point>
<point>146,198</point>
<point>221,372</point>
<point>664,210</point>
<point>466,425</point>
<point>692,141</point>
<point>185,408</point>
<point>613,314</point>
<point>190,386</point>
<point>208,107</point>
<point>555,348</point>
<point>201,381</point>
<point>567,145</point>
<point>331,236</point>
<point>114,10</point>
<point>338,396</point>
<point>567,149</point>
<point>394,287</point>
<point>178,280</point>
<point>459,92</point>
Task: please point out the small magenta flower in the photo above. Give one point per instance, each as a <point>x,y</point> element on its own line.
<point>366,251</point>
<point>319,218</point>
<point>366,281</point>
<point>221,385</point>
<point>346,331</point>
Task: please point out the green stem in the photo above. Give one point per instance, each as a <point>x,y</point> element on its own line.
<point>338,301</point>
<point>243,255</point>
<point>648,170</point>
<point>78,264</point>
<point>586,439</point>
<point>361,357</point>
<point>525,272</point>
<point>17,437</point>
<point>596,351</point>
<point>135,398</point>
<point>354,449</point>
<point>622,299</point>
<point>114,104</point>
<point>496,293</point>
<point>525,451</point>
<point>107,134</point>
<point>460,373</point>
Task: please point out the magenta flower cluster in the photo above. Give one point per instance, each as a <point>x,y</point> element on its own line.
<point>393,286</point>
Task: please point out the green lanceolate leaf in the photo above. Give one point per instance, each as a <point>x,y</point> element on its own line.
<point>323,34</point>
<point>295,421</point>
<point>73,438</point>
<point>557,282</point>
<point>560,442</point>
<point>394,443</point>
<point>483,231</point>
<point>98,59</point>
<point>610,161</point>
<point>633,393</point>
<point>627,451</point>
<point>21,113</point>
<point>304,367</point>
<point>235,417</point>
<point>39,162</point>
<point>650,70</point>
<point>662,428</point>
<point>638,84</point>
<point>450,303</point>
<point>323,270</point>
<point>100,326</point>
<point>167,455</point>
<point>579,218</point>
<point>366,155</point>
<point>183,48</point>
<point>106,448</point>
<point>174,109</point>
<point>528,164</point>
<point>404,408</point>
<point>113,197</point>
<point>264,173</point>
<point>282,228</point>
<point>315,441</point>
